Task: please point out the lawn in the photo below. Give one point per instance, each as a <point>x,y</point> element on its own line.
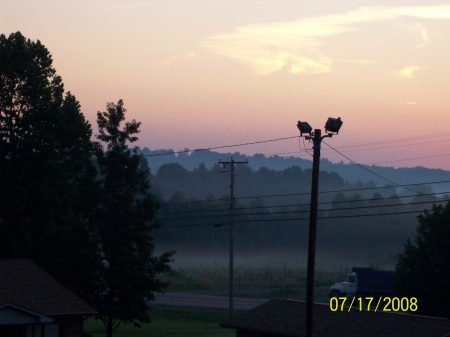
<point>171,322</point>
<point>167,321</point>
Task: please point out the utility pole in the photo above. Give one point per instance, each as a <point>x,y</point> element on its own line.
<point>317,140</point>
<point>232,164</point>
<point>332,126</point>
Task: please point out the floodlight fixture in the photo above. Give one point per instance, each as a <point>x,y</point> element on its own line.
<point>304,127</point>
<point>333,125</point>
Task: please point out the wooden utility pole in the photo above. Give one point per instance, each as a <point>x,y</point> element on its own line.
<point>332,126</point>
<point>232,164</point>
<point>317,139</point>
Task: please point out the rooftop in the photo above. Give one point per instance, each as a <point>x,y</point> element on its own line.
<point>24,284</point>
<point>287,318</point>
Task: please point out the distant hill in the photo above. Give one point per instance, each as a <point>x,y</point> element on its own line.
<point>349,172</point>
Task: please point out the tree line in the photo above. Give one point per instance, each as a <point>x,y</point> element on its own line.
<point>76,203</point>
<point>272,210</point>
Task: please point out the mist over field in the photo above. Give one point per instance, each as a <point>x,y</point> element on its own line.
<point>362,222</point>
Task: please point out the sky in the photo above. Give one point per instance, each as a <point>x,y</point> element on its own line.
<point>212,73</point>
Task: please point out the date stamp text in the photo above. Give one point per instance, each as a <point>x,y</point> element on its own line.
<point>386,304</point>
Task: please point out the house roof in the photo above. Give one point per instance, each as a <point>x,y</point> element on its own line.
<point>24,284</point>
<point>287,318</point>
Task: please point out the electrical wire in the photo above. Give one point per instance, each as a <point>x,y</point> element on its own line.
<point>434,135</point>
<point>368,170</point>
<point>406,159</point>
<point>302,211</point>
<point>171,152</point>
<point>297,219</point>
<point>339,216</point>
<point>304,146</point>
<point>226,206</point>
<point>221,147</point>
<point>320,192</point>
<point>399,145</point>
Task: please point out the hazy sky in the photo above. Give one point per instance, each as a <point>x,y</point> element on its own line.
<point>206,73</point>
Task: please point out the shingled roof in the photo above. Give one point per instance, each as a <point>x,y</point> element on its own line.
<point>287,318</point>
<point>24,284</point>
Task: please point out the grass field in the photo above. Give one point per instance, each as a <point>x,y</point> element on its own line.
<point>170,322</point>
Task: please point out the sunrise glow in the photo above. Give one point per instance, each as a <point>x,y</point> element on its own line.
<point>204,74</point>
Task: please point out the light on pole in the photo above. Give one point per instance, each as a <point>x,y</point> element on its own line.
<point>332,126</point>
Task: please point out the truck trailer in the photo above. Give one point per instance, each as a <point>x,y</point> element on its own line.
<point>364,282</point>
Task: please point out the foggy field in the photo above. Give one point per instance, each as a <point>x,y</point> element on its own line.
<point>263,282</point>
<point>248,259</point>
<point>261,277</point>
<point>272,275</point>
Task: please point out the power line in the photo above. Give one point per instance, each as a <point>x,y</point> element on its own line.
<point>292,137</point>
<point>339,216</point>
<point>221,147</point>
<point>171,152</point>
<point>204,210</point>
<point>299,219</point>
<point>306,211</point>
<point>359,145</point>
<point>393,146</point>
<point>368,170</point>
<point>396,140</point>
<point>305,148</point>
<point>406,159</point>
<point>320,192</point>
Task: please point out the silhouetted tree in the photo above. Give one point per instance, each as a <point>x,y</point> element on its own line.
<point>124,221</point>
<point>422,271</point>
<point>46,177</point>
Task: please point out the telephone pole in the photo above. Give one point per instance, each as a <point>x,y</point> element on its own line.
<point>317,140</point>
<point>232,164</point>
